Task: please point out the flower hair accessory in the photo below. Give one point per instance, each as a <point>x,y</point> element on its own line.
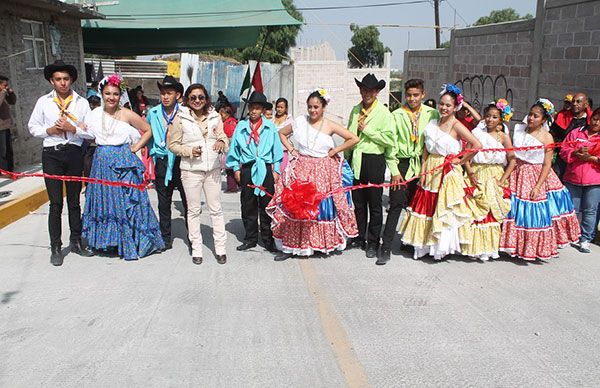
<point>569,98</point>
<point>323,93</point>
<point>456,90</point>
<point>548,107</point>
<point>113,79</point>
<point>502,105</point>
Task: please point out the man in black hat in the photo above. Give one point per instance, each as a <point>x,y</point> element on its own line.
<point>373,123</point>
<point>255,155</point>
<point>57,118</point>
<point>166,163</point>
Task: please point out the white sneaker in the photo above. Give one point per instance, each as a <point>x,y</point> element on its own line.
<point>584,247</point>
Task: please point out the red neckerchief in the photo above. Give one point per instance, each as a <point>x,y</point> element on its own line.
<point>254,131</point>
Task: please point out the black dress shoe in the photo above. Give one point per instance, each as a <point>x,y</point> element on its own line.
<point>80,249</point>
<point>221,259</point>
<point>245,246</point>
<point>371,251</point>
<point>384,258</point>
<point>197,260</point>
<point>56,257</point>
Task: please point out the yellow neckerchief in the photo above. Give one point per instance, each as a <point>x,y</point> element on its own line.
<point>63,106</point>
<point>414,120</point>
<point>364,113</point>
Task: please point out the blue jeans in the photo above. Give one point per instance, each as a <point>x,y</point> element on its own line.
<point>586,200</point>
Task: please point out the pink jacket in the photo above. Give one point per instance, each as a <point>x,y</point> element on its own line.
<point>578,172</point>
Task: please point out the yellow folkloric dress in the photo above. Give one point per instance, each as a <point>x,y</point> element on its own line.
<point>488,168</point>
<point>439,219</point>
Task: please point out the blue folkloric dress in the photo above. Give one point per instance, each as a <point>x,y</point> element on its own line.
<point>118,217</point>
<point>535,229</point>
<point>336,221</point>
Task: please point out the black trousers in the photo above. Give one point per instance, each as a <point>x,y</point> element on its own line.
<point>88,158</point>
<point>399,199</point>
<point>253,206</point>
<point>6,151</point>
<point>368,202</point>
<point>66,161</point>
<point>165,195</point>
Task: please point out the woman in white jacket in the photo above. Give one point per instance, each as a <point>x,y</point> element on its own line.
<point>197,136</point>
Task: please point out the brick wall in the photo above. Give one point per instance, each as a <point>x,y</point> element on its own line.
<point>29,85</point>
<point>522,60</point>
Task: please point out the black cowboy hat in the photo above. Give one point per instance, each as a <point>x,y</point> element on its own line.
<point>60,66</point>
<point>170,82</point>
<point>370,82</point>
<point>258,98</point>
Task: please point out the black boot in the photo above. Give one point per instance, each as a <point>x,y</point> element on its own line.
<point>56,257</point>
<point>80,249</point>
<point>384,257</point>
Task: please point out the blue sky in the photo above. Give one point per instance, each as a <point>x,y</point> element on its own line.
<point>397,39</point>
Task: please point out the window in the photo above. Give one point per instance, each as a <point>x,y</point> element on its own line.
<point>34,44</point>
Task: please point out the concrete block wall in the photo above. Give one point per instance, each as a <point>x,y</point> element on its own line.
<point>570,54</point>
<point>432,66</point>
<point>556,53</point>
<point>30,84</point>
<point>494,61</point>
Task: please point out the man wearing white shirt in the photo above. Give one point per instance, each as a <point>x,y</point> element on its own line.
<point>58,118</point>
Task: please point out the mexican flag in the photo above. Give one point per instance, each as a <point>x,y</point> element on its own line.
<point>256,81</point>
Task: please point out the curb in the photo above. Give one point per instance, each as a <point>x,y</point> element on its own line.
<point>22,206</point>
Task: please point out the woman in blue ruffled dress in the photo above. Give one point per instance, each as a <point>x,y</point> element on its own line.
<point>117,217</point>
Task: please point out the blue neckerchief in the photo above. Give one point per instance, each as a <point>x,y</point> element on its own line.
<point>168,119</point>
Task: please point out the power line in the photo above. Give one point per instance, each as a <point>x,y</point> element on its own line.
<point>380,25</point>
<point>455,10</point>
<point>410,2</point>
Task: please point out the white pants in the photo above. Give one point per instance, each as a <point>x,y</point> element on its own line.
<point>194,182</point>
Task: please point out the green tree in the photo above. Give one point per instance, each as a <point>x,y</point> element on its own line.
<point>280,39</point>
<point>501,15</point>
<point>367,50</point>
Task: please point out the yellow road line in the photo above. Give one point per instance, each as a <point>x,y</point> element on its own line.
<point>347,361</point>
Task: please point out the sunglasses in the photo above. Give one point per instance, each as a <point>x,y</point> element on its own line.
<point>197,98</point>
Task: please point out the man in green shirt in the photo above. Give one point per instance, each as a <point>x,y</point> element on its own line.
<point>411,119</point>
<point>372,122</point>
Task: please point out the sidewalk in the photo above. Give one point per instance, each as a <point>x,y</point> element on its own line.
<point>24,195</point>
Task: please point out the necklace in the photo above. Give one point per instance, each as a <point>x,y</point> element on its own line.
<point>113,124</point>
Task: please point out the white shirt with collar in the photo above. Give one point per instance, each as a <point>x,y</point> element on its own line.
<point>46,113</point>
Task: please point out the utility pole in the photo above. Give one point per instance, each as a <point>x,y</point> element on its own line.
<point>436,10</point>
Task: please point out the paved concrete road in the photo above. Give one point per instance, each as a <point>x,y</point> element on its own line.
<point>323,322</point>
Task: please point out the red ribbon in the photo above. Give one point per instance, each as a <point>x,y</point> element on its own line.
<point>144,185</point>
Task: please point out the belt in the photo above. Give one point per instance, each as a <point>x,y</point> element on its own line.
<point>62,147</point>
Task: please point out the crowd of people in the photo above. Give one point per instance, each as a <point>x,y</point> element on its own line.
<point>467,184</point>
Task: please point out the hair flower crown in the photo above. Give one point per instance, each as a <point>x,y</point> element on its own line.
<point>506,111</point>
<point>548,106</point>
<point>456,90</point>
<point>113,79</point>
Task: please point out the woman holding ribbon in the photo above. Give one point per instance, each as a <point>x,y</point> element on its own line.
<point>488,172</point>
<point>541,218</point>
<point>315,168</point>
<point>438,220</point>
<point>116,217</point>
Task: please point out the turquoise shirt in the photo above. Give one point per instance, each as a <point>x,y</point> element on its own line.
<point>158,143</point>
<point>269,151</point>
